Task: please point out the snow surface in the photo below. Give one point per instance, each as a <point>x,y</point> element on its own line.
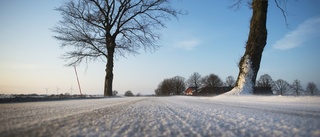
<point>165,116</point>
<point>244,83</point>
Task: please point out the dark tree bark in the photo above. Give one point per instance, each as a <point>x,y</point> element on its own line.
<point>109,71</point>
<point>250,62</point>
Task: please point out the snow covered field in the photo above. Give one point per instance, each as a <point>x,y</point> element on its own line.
<point>164,116</point>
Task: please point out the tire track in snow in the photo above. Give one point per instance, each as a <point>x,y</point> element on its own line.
<point>177,116</point>
<point>203,120</point>
<point>152,117</point>
<point>183,121</point>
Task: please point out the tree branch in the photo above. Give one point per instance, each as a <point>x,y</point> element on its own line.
<point>283,10</point>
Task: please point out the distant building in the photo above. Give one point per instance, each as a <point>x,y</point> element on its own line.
<point>190,91</point>
<point>262,91</point>
<point>213,91</point>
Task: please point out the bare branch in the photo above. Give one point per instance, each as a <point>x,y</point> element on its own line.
<point>93,26</point>
<point>283,10</point>
<point>236,5</point>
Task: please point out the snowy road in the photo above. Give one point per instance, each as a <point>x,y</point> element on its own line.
<point>164,116</point>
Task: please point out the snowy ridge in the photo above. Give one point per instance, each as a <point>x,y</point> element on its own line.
<point>244,82</point>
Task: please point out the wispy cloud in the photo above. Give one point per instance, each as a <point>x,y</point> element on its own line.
<point>187,44</point>
<point>307,30</point>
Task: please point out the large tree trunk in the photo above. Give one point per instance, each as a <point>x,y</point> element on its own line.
<point>109,72</point>
<point>250,62</point>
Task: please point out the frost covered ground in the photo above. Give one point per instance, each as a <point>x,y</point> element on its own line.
<point>164,116</point>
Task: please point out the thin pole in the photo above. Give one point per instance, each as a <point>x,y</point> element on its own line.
<point>75,70</point>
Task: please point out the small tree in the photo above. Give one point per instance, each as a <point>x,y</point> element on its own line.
<point>194,80</point>
<point>128,93</point>
<point>212,80</point>
<point>114,93</point>
<point>281,87</point>
<point>296,87</point>
<point>230,81</point>
<point>164,88</point>
<point>138,94</point>
<point>265,81</point>
<point>311,88</point>
<point>179,85</point>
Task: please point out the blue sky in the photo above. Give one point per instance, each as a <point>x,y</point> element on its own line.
<point>210,39</point>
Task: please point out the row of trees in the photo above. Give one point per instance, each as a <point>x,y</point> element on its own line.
<point>177,85</point>
<point>282,87</point>
<point>128,93</point>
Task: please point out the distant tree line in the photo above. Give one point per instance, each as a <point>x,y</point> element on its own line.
<point>282,87</point>
<point>177,85</point>
<point>128,93</point>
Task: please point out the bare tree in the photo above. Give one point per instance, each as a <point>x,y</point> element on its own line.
<point>311,88</point>
<point>164,88</point>
<point>250,62</point>
<point>96,29</point>
<point>114,93</point>
<point>281,87</point>
<point>194,80</point>
<point>212,80</point>
<point>265,81</point>
<point>158,90</point>
<point>230,81</point>
<point>296,87</point>
<point>139,94</point>
<point>179,85</point>
<point>171,86</point>
<point>128,93</point>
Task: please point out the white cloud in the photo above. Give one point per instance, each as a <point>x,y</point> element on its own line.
<point>187,44</point>
<point>307,30</point>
